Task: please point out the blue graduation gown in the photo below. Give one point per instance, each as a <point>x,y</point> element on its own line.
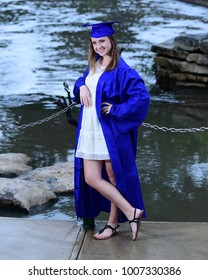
<point>124,88</point>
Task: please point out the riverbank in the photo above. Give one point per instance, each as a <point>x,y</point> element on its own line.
<point>29,239</point>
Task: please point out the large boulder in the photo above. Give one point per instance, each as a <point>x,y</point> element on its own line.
<point>59,177</point>
<point>32,188</point>
<point>13,164</point>
<point>24,194</point>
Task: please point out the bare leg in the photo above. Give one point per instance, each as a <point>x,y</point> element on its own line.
<point>92,170</point>
<point>114,211</point>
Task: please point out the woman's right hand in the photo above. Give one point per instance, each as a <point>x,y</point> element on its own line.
<point>85,96</point>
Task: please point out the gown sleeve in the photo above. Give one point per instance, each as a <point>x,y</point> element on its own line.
<point>134,98</point>
<point>80,82</point>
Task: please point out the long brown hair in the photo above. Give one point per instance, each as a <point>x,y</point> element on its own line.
<point>114,54</point>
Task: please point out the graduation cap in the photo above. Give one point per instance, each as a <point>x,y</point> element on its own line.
<point>101,29</point>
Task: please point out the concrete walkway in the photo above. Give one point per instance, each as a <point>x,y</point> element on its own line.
<point>31,239</point>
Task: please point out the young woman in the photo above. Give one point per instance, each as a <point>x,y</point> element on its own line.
<point>114,102</point>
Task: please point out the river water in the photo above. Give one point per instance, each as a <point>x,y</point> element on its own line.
<point>42,45</point>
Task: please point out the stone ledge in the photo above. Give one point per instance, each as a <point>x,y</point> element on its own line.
<point>180,62</point>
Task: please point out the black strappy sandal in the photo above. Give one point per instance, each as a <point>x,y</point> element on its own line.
<point>137,221</point>
<point>114,232</point>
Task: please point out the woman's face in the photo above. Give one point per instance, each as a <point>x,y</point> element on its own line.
<point>102,45</point>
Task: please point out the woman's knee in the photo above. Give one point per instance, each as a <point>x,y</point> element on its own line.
<point>92,173</point>
<point>91,179</point>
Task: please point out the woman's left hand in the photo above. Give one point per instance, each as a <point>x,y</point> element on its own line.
<point>106,108</point>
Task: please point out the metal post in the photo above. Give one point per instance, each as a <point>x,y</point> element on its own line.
<point>88,223</point>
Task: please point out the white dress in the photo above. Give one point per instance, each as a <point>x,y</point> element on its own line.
<point>91,142</point>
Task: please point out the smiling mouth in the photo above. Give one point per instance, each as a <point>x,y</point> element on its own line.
<point>100,51</point>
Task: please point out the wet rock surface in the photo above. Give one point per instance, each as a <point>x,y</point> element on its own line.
<point>57,178</point>
<point>32,188</point>
<point>23,194</point>
<point>13,164</point>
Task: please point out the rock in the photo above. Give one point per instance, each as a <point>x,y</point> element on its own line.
<point>23,194</point>
<point>166,49</point>
<point>189,84</point>
<point>32,188</point>
<point>199,2</point>
<point>180,63</point>
<point>189,77</point>
<point>189,42</point>
<point>204,46</point>
<point>181,66</point>
<point>59,178</point>
<point>186,77</point>
<point>13,164</point>
<point>198,58</point>
<point>169,79</point>
<point>194,68</point>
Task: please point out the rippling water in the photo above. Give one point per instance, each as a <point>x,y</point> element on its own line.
<point>42,42</point>
<point>42,45</point>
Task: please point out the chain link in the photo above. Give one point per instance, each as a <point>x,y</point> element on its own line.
<point>172,129</point>
<point>47,119</point>
<point>148,125</point>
